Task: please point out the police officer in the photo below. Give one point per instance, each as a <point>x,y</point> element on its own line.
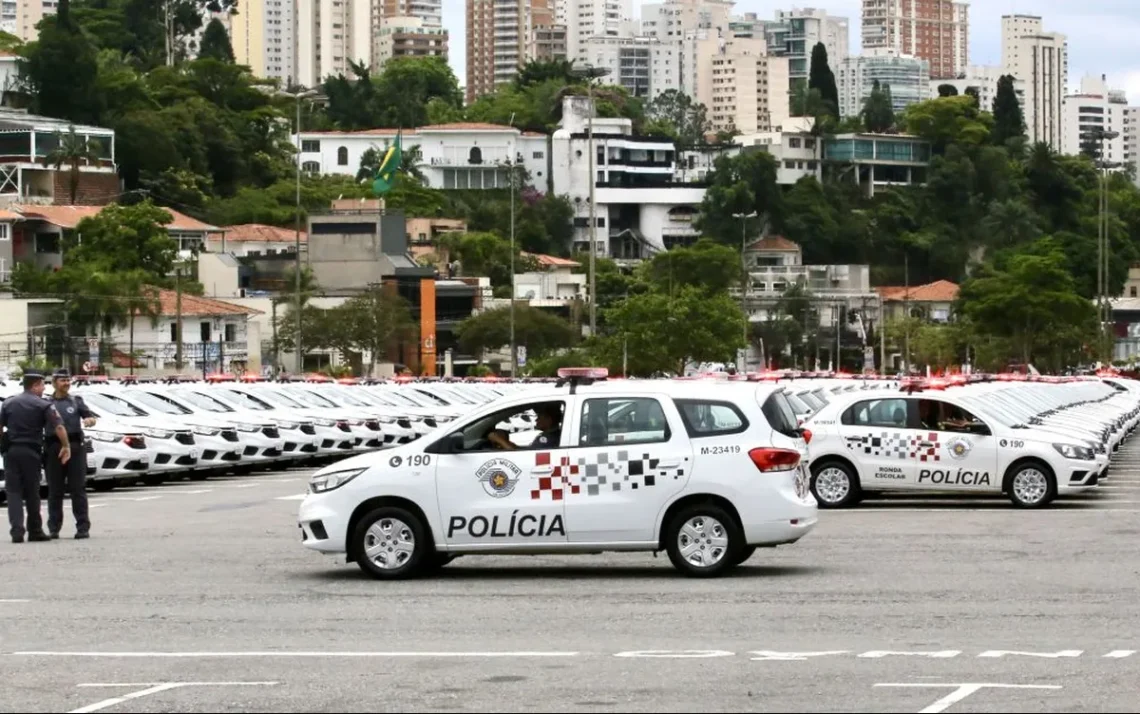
<point>23,419</point>
<point>75,416</point>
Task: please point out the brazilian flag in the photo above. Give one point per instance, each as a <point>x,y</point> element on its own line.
<point>386,175</point>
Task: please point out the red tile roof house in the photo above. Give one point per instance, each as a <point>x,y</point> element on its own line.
<point>933,301</point>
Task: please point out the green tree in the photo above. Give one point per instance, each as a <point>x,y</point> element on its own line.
<point>216,43</point>
<point>397,97</point>
<point>947,90</point>
<point>123,239</point>
<point>375,321</point>
<point>706,265</point>
<point>537,330</point>
<point>1008,120</point>
<point>74,151</point>
<point>673,113</point>
<point>739,184</point>
<point>948,120</point>
<point>486,254</point>
<point>60,69</point>
<point>1029,300</point>
<point>878,113</point>
<point>821,77</point>
<point>662,332</point>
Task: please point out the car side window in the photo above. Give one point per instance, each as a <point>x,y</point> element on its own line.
<point>938,415</point>
<point>477,436</point>
<point>703,418</point>
<point>623,420</point>
<point>890,413</point>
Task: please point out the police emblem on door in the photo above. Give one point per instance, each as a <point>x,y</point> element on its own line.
<point>958,447</point>
<point>499,477</point>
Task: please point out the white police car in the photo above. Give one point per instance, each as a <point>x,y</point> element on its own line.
<point>934,441</point>
<point>705,471</point>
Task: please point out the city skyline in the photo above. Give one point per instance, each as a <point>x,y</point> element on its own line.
<point>1101,33</point>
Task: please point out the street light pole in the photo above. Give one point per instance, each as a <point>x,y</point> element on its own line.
<point>744,278</point>
<point>590,73</point>
<point>297,245</point>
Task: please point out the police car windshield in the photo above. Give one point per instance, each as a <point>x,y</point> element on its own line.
<point>374,399</point>
<point>980,408</point>
<point>438,399</point>
<point>811,400</point>
<point>246,401</point>
<point>156,403</point>
<point>343,395</point>
<point>112,405</point>
<point>279,398</point>
<point>780,415</point>
<point>798,405</point>
<point>203,402</point>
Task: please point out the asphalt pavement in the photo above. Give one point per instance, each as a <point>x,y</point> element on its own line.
<point>198,596</point>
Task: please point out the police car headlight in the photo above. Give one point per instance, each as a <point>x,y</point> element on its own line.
<point>443,419</point>
<point>158,433</point>
<point>328,482</point>
<point>206,431</point>
<point>387,420</point>
<point>104,436</point>
<point>324,422</point>
<point>288,424</point>
<point>249,428</point>
<point>1070,451</point>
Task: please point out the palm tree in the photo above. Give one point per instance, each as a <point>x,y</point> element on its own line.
<point>73,150</point>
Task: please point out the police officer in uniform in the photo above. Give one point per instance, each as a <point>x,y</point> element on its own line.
<point>75,416</point>
<point>23,420</point>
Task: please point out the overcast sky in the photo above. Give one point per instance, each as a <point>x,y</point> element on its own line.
<point>1104,35</point>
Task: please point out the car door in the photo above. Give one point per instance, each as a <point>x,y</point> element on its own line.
<point>630,457</point>
<point>881,442</point>
<point>954,457</point>
<point>491,497</point>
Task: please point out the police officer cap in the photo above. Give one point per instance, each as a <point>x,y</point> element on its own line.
<point>31,378</point>
<point>61,373</point>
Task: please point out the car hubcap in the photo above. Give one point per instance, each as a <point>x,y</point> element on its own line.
<point>832,485</point>
<point>703,541</point>
<point>389,543</point>
<point>1030,486</point>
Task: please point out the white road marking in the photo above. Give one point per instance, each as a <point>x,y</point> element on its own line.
<point>187,493</point>
<point>1049,655</point>
<point>96,505</point>
<point>144,498</point>
<point>155,688</point>
<point>964,690</point>
<point>944,654</point>
<point>1120,654</point>
<point>13,600</point>
<point>299,497</point>
<point>203,655</point>
<point>675,654</point>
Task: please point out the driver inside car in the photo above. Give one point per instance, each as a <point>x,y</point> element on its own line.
<point>549,422</point>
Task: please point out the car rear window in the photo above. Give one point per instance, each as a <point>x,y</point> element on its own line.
<point>780,415</point>
<point>704,417</point>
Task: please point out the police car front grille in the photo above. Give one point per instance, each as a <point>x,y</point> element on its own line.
<point>430,422</point>
<point>308,429</point>
<point>271,432</point>
<point>405,423</point>
<point>372,424</point>
<point>230,434</point>
<point>184,437</point>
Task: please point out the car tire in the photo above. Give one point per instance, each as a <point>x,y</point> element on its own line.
<point>745,553</point>
<point>1031,484</point>
<point>722,546</point>
<point>399,541</point>
<point>840,487</point>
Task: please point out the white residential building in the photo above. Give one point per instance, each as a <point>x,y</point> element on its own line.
<point>588,19</point>
<point>1041,61</point>
<point>464,155</point>
<point>330,35</point>
<point>682,24</point>
<point>1096,108</point>
<point>638,212</point>
<point>263,36</point>
<point>503,35</point>
<point>399,36</point>
<point>796,32</point>
<point>983,79</point>
<point>741,85</point>
<point>640,64</point>
<point>907,77</point>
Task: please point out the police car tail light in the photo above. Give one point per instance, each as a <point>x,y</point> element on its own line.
<point>768,459</point>
<point>807,436</point>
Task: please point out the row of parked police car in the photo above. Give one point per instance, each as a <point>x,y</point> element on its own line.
<point>149,431</point>
<point>707,468</point>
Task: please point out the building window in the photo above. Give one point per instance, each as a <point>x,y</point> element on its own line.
<point>342,156</point>
<point>231,332</point>
<point>204,330</point>
<point>311,146</point>
<point>475,156</point>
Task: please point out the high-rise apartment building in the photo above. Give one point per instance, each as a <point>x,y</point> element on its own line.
<point>795,33</point>
<point>262,36</point>
<point>1096,108</point>
<point>586,19</point>
<point>934,30</point>
<point>1041,61</point>
<point>855,77</point>
<point>681,25</point>
<point>503,35</point>
<point>20,17</point>
<point>331,35</point>
<point>429,12</point>
<point>640,64</point>
<point>406,37</point>
<point>741,85</point>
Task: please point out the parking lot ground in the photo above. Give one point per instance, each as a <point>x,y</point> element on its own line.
<point>198,596</point>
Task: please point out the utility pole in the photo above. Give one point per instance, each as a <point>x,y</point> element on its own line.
<point>745,279</point>
<point>590,73</point>
<point>514,346</point>
<point>906,311</point>
<point>177,317</point>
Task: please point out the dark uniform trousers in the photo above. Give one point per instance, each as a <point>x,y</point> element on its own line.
<point>22,484</point>
<point>74,475</point>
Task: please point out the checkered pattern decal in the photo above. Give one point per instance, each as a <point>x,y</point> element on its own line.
<point>897,445</point>
<point>601,470</point>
